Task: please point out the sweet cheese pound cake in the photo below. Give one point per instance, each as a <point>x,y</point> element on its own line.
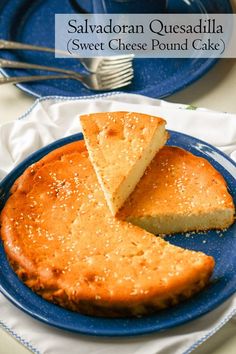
<point>179,192</point>
<point>63,242</point>
<point>121,145</point>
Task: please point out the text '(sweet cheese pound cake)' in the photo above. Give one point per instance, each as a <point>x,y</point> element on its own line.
<point>121,145</point>
<point>179,192</point>
<point>63,242</point>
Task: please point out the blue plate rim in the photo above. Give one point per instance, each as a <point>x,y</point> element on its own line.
<point>109,333</point>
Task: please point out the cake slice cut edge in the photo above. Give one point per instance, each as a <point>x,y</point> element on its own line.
<point>121,145</point>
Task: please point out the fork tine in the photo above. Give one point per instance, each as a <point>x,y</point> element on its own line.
<point>116,67</point>
<point>117,81</point>
<point>115,73</point>
<point>117,61</point>
<point>116,76</point>
<point>104,67</point>
<point>111,84</point>
<point>119,57</point>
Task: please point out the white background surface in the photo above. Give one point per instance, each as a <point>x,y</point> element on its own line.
<point>217,91</point>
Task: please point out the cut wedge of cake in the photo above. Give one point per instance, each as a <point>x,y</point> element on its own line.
<point>179,192</point>
<point>121,145</point>
<point>63,242</point>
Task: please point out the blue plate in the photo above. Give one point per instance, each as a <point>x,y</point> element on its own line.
<point>33,22</point>
<point>222,248</point>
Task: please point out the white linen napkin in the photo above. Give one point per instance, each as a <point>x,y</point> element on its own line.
<point>55,117</point>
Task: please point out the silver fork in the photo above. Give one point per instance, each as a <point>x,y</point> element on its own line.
<point>93,65</point>
<point>106,81</point>
<point>4,63</point>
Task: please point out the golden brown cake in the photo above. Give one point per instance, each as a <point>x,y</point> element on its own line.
<point>179,192</point>
<point>63,242</point>
<point>121,145</point>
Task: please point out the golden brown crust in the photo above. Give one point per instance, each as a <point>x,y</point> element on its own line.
<point>63,243</point>
<point>178,184</point>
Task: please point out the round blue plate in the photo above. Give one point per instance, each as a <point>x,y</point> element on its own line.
<point>33,22</point>
<point>221,247</point>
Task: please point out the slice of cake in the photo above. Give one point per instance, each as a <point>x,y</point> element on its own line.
<point>63,242</point>
<point>179,192</point>
<point>121,145</point>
